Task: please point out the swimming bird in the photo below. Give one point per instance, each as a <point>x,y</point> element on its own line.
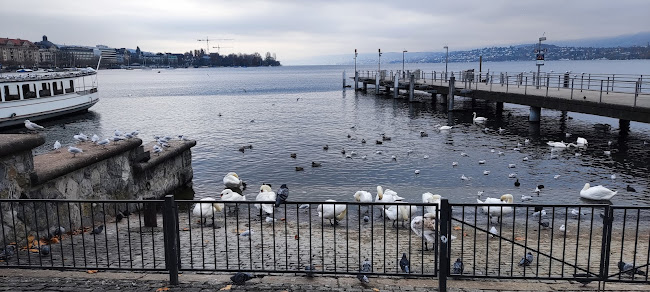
<point>463,177</point>
<point>265,194</point>
<point>393,158</point>
<point>342,151</point>
<point>613,176</point>
<point>426,157</point>
<point>425,227</point>
<point>512,165</point>
<point>443,128</point>
<point>497,211</point>
<point>486,172</point>
<point>607,152</point>
<point>423,134</point>
<point>581,141</point>
<point>454,164</point>
<point>463,154</point>
<point>74,150</point>
<point>527,260</point>
<point>630,189</point>
<point>481,162</point>
<point>402,213</point>
<point>492,150</point>
<point>232,181</point>
<point>326,147</point>
<point>315,164</point>
<point>365,269</point>
<point>556,144</point>
<point>500,153</point>
<point>517,183</point>
<point>478,119</point>
<point>404,264</point>
<point>525,158</point>
<point>33,126</point>
<point>385,138</point>
<point>293,155</point>
<point>57,145</point>
<point>379,142</point>
<point>98,229</point>
<point>429,198</point>
<point>332,211</point>
<point>526,198</point>
<point>629,269</point>
<point>299,168</point>
<point>596,193</point>
<point>363,141</point>
<point>417,171</point>
<point>240,278</point>
<point>556,176</point>
<point>281,195</point>
<point>512,175</point>
<point>458,267</point>
<point>501,130</point>
<point>207,209</point>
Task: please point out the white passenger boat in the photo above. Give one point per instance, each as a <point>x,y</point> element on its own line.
<point>37,96</point>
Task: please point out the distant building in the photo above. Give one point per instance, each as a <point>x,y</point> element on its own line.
<point>109,55</point>
<point>18,52</point>
<point>73,56</point>
<point>46,52</point>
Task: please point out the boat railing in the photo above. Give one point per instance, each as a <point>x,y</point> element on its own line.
<point>48,76</point>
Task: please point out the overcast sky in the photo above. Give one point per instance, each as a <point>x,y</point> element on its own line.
<point>297,30</point>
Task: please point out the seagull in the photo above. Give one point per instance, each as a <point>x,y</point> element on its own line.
<point>479,193</point>
<point>119,138</point>
<point>404,264</point>
<point>512,175</point>
<point>80,137</point>
<point>512,165</point>
<point>481,162</point>
<point>463,177</point>
<point>556,176</point>
<point>454,164</point>
<point>417,171</point>
<point>117,133</point>
<point>463,154</point>
<point>270,220</point>
<point>493,231</point>
<point>492,150</point>
<point>57,145</point>
<point>527,260</point>
<point>613,176</point>
<point>157,149</point>
<point>74,150</point>
<point>486,172</point>
<point>525,158</point>
<point>426,157</point>
<point>500,153</point>
<point>458,267</point>
<point>240,278</point>
<point>105,142</point>
<point>537,190</point>
<point>248,232</point>
<point>32,126</point>
<point>526,198</point>
<point>538,213</point>
<point>95,138</point>
<point>607,152</point>
<point>563,229</point>
<point>501,130</point>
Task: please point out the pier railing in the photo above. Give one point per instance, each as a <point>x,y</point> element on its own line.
<point>600,243</point>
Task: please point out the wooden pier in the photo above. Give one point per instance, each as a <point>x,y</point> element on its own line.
<point>624,97</point>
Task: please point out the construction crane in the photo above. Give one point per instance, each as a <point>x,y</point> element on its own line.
<point>207,42</point>
<point>220,47</point>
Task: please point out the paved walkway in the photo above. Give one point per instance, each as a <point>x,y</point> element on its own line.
<point>47,280</point>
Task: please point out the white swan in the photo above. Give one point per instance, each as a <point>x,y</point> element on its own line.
<point>387,196</point>
<point>497,211</point>
<point>232,181</point>
<point>206,210</point>
<point>479,119</point>
<point>228,195</point>
<point>401,213</point>
<point>363,197</point>
<point>265,194</point>
<point>581,141</point>
<point>556,144</point>
<point>596,193</point>
<point>429,198</point>
<point>425,227</point>
<point>332,211</point>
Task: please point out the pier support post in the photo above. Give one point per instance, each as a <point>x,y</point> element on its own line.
<point>411,87</point>
<point>377,84</point>
<point>343,78</point>
<point>396,89</point>
<point>499,107</point>
<point>365,86</point>
<point>356,81</point>
<point>535,114</point>
<point>624,126</point>
<point>450,94</point>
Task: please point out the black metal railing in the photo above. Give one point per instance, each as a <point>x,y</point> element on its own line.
<point>595,242</point>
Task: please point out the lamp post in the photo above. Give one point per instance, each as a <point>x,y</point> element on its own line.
<point>379,67</point>
<point>355,61</point>
<point>540,59</point>
<point>404,51</point>
<point>446,60</point>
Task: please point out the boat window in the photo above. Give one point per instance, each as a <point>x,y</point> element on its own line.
<point>44,91</point>
<point>11,93</point>
<point>71,88</point>
<point>58,89</point>
<point>27,91</point>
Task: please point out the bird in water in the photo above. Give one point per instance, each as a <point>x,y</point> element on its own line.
<point>630,189</point>
<point>517,183</point>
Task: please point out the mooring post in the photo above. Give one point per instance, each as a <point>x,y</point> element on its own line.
<point>377,84</point>
<point>444,242</point>
<point>343,78</point>
<point>411,87</point>
<point>535,114</point>
<point>396,85</point>
<point>450,94</point>
<point>170,213</point>
<point>356,81</point>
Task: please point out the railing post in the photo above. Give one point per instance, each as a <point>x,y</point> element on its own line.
<point>572,81</point>
<point>526,86</point>
<point>601,90</point>
<point>444,240</point>
<point>170,215</point>
<point>607,88</point>
<point>637,88</point>
<point>606,244</point>
<point>548,80</point>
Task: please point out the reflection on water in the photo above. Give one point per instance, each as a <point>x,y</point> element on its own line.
<point>300,109</point>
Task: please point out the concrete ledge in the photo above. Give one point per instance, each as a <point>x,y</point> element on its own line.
<point>58,163</point>
<point>13,143</point>
<point>176,149</point>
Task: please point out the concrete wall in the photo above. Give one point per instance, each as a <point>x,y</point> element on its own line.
<point>115,172</point>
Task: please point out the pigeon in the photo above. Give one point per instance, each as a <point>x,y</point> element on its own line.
<point>270,220</point>
<point>246,233</point>
<point>7,252</point>
<point>281,195</point>
<point>365,268</point>
<point>55,232</point>
<point>310,270</point>
<point>304,206</point>
<point>527,260</point>
<point>629,269</point>
<point>240,278</point>
<point>366,218</point>
<point>98,230</point>
<point>458,267</point>
<point>57,145</point>
<point>630,189</point>
<point>44,250</point>
<point>545,225</point>
<point>404,264</point>
<point>119,216</point>
<point>32,126</point>
<point>74,150</point>
<point>582,278</point>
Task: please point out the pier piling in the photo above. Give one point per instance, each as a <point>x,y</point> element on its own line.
<point>377,84</point>
<point>450,94</point>
<point>411,87</point>
<point>396,86</point>
<point>535,114</point>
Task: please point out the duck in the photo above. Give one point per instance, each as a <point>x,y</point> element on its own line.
<point>497,211</point>
<point>596,193</point>
<point>232,181</point>
<point>429,198</point>
<point>207,210</point>
<point>332,211</point>
<point>425,227</point>
<point>265,194</point>
<point>517,183</point>
<point>479,119</point>
<point>401,213</point>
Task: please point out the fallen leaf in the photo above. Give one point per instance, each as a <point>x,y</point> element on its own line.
<point>282,219</point>
<point>375,289</point>
<point>186,229</point>
<point>162,289</point>
<point>91,271</point>
<point>457,228</point>
<point>54,240</point>
<point>226,288</point>
<point>519,238</point>
<point>34,250</point>
<point>295,237</point>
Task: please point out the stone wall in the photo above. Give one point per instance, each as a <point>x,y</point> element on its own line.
<point>120,171</point>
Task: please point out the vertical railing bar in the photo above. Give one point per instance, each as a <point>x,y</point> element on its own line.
<point>310,235</point>
<point>372,238</point>
<point>474,253</point>
<point>500,240</point>
<point>92,216</point>
<point>636,236</point>
<point>202,243</point>
<point>189,228</point>
<point>225,236</point>
<point>128,233</point>
<point>237,231</point>
<point>298,234</point>
<point>214,235</point>
<point>512,248</point>
<point>286,240</point>
<point>141,239</point>
<point>38,237</point>
<point>13,223</point>
<point>335,224</point>
<point>526,233</point>
<point>487,238</point>
<point>29,258</point>
<point>74,259</point>
<point>250,237</point>
<point>108,262</point>
<point>445,214</point>
<point>4,239</point>
<point>623,238</point>
<point>117,239</point>
<point>347,240</point>
<point>384,217</point>
<point>58,222</point>
<point>275,267</point>
<point>359,236</point>
<point>83,238</point>
<point>566,227</point>
<point>322,235</point>
<point>550,257</point>
<point>591,232</point>
<point>462,233</point>
<point>647,268</point>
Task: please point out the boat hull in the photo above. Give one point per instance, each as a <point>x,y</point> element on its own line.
<point>35,109</point>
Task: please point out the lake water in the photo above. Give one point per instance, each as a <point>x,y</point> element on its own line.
<point>300,109</point>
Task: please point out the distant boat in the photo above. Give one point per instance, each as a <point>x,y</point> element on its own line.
<point>24,70</point>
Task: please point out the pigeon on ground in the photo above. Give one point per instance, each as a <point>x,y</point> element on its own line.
<point>545,225</point>
<point>246,233</point>
<point>303,206</point>
<point>582,278</point>
<point>44,250</point>
<point>32,126</point>
<point>240,278</point>
<point>7,252</point>
<point>404,264</point>
<point>281,195</point>
<point>366,218</point>
<point>310,270</point>
<point>98,229</point>
<point>458,267</point>
<point>527,260</point>
<point>629,269</point>
<point>365,269</point>
<point>55,231</point>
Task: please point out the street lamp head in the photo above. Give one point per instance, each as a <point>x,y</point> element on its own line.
<point>445,47</point>
<point>405,51</point>
<point>542,39</point>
